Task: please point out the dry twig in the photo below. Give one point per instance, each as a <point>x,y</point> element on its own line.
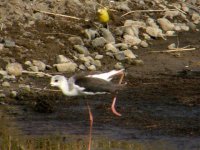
<point>38,73</point>
<point>174,50</point>
<point>134,11</point>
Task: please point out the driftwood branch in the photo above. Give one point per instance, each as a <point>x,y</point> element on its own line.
<point>37,73</point>
<point>174,50</point>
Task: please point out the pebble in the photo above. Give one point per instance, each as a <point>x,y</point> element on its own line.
<point>92,68</point>
<point>196,18</point>
<point>41,66</point>
<point>81,49</point>
<point>97,63</point>
<point>62,59</point>
<point>69,67</point>
<point>172,46</point>
<point>151,22</point>
<point>108,36</point>
<point>154,32</point>
<point>192,25</point>
<point>144,44</point>
<point>122,46</point>
<point>165,24</point>
<point>6,84</point>
<point>82,67</point>
<point>120,56</point>
<point>111,47</point>
<point>25,87</point>
<point>13,94</point>
<point>99,56</point>
<point>34,68</point>
<point>110,54</point>
<point>76,40</point>
<point>91,34</point>
<point>14,69</point>
<point>3,73</point>
<point>119,31</point>
<point>146,36</point>
<point>128,53</point>
<point>131,40</point>
<point>171,14</point>
<point>28,63</point>
<point>99,42</point>
<point>119,65</point>
<point>137,62</point>
<point>9,43</point>
<point>1,46</point>
<point>170,33</point>
<point>2,95</point>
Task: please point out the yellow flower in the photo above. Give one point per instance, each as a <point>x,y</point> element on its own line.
<point>103,15</point>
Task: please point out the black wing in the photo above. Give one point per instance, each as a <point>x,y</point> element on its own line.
<point>95,84</point>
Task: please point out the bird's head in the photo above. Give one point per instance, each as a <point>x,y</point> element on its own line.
<point>58,81</point>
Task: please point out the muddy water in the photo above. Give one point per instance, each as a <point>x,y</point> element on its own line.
<point>158,113</point>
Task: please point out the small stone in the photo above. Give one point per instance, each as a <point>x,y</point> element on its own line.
<point>144,44</point>
<point>135,47</point>
<point>131,40</point>
<point>1,46</point>
<point>107,35</point>
<point>111,47</point>
<point>41,66</point>
<point>69,67</point>
<point>6,84</point>
<point>120,56</point>
<point>9,77</point>
<point>97,63</point>
<point>172,14</point>
<point>170,33</point>
<point>137,62</point>
<point>13,94</point>
<point>87,64</point>
<point>34,68</point>
<point>154,32</point>
<point>62,59</point>
<point>165,24</point>
<point>172,46</point>
<point>82,67</point>
<point>98,42</point>
<point>90,34</point>
<point>110,54</point>
<point>185,28</point>
<point>192,25</point>
<point>3,73</point>
<point>99,56</point>
<point>92,68</point>
<point>119,31</point>
<point>76,40</point>
<point>81,49</point>
<point>25,87</point>
<point>151,22</point>
<point>14,69</point>
<point>28,63</point>
<point>122,46</point>
<point>128,53</point>
<point>196,18</point>
<point>146,36</point>
<point>119,65</point>
<point>2,95</point>
<point>9,43</point>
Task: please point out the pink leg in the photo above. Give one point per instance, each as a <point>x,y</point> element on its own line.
<point>91,125</point>
<point>115,98</point>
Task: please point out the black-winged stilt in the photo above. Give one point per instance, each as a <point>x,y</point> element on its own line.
<point>90,85</point>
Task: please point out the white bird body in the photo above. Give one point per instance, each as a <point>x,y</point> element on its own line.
<point>86,85</point>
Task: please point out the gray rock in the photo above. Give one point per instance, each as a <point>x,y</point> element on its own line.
<point>128,53</point>
<point>3,73</point>
<point>2,95</point>
<point>122,46</point>
<point>144,44</point>
<point>98,42</point>
<point>131,40</point>
<point>165,24</point>
<point>41,66</point>
<point>81,49</point>
<point>108,36</point>
<point>82,67</point>
<point>76,40</point>
<point>111,47</point>
<point>110,54</point>
<point>28,63</point>
<point>14,69</point>
<point>1,46</point>
<point>92,68</point>
<point>119,31</point>
<point>120,56</point>
<point>6,84</point>
<point>25,87</point>
<point>99,56</point>
<point>69,67</point>
<point>136,62</point>
<point>62,59</point>
<point>97,63</point>
<point>119,65</point>
<point>172,46</point>
<point>13,94</point>
<point>91,34</point>
<point>9,43</point>
<point>34,68</point>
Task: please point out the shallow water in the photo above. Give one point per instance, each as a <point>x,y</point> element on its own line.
<point>159,113</point>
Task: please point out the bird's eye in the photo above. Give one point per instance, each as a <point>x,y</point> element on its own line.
<point>56,80</point>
